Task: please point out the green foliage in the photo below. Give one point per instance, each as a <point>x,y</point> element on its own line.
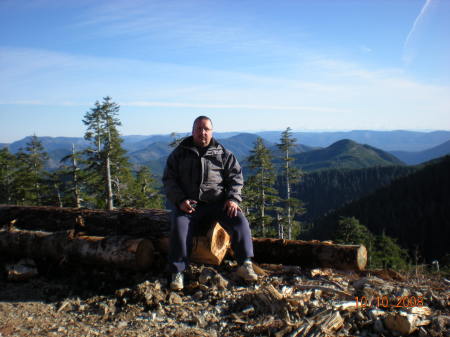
<point>344,154</point>
<point>383,251</point>
<point>388,254</point>
<point>74,178</point>
<point>142,192</point>
<point>53,189</point>
<point>30,173</point>
<point>8,167</point>
<point>108,171</point>
<point>350,231</point>
<point>327,190</point>
<point>414,209</point>
<point>291,175</point>
<point>259,193</point>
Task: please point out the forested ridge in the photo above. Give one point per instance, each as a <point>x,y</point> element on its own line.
<point>326,190</point>
<point>415,209</point>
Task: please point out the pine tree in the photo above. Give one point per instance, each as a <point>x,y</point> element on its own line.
<point>260,194</point>
<point>388,254</point>
<point>143,192</point>
<point>291,175</point>
<point>53,188</point>
<point>351,231</point>
<point>8,167</point>
<point>29,178</point>
<point>108,168</point>
<point>75,176</point>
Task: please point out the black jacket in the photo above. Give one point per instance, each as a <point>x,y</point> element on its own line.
<point>215,176</point>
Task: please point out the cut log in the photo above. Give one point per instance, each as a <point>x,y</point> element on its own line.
<point>212,248</point>
<point>149,223</point>
<point>310,254</point>
<point>154,224</point>
<point>209,249</point>
<point>115,251</point>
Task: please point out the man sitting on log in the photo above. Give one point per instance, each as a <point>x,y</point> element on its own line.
<point>203,181</point>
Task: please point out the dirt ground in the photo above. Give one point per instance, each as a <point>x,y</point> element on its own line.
<point>286,301</point>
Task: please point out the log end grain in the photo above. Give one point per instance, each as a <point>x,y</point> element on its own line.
<point>361,257</point>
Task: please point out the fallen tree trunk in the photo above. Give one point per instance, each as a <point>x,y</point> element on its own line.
<point>310,254</point>
<point>116,251</point>
<point>151,223</point>
<point>154,224</point>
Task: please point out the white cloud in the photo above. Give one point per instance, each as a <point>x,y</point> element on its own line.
<point>319,89</point>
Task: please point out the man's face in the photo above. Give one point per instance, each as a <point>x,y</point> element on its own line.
<point>202,133</point>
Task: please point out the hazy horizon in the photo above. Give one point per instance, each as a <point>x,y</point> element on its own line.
<point>235,131</point>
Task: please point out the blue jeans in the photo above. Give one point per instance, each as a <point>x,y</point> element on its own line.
<point>184,226</point>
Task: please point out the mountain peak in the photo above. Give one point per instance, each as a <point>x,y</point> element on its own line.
<point>345,154</point>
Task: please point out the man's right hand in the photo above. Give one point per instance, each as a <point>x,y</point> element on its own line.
<point>187,206</point>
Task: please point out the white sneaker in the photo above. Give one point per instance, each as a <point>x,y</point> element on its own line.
<point>177,282</point>
<point>246,272</point>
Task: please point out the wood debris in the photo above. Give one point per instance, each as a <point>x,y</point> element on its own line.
<point>66,298</point>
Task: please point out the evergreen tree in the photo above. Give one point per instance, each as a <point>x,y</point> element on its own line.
<point>260,194</point>
<point>8,167</point>
<point>108,168</point>
<point>75,176</point>
<point>350,231</point>
<point>53,188</point>
<point>29,178</point>
<point>291,175</point>
<point>388,254</point>
<point>382,250</point>
<point>143,192</point>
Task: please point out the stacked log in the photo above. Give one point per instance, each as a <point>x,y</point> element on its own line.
<point>115,251</point>
<point>310,254</point>
<point>149,223</point>
<point>153,225</point>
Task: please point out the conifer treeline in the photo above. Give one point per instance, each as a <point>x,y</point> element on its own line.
<point>265,197</point>
<point>415,209</point>
<point>100,176</point>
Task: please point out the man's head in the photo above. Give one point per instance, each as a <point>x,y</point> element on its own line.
<point>202,131</point>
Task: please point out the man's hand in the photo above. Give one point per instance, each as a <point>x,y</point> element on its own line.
<point>231,208</point>
<point>188,206</point>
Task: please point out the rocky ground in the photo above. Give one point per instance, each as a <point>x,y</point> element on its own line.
<point>286,301</point>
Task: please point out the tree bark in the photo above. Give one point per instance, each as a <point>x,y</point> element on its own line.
<point>146,223</point>
<point>154,224</point>
<point>114,251</point>
<point>310,254</point>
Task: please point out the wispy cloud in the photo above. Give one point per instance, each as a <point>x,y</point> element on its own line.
<point>322,90</point>
<point>416,22</point>
<point>407,57</point>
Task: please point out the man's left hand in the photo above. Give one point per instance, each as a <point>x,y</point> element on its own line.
<point>232,208</point>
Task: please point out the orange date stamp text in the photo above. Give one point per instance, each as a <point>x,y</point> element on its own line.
<point>386,302</point>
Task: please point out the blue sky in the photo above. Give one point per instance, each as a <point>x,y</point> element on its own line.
<point>248,64</point>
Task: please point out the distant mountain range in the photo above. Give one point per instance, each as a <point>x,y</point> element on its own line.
<point>413,158</point>
<point>320,151</point>
<point>398,140</point>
